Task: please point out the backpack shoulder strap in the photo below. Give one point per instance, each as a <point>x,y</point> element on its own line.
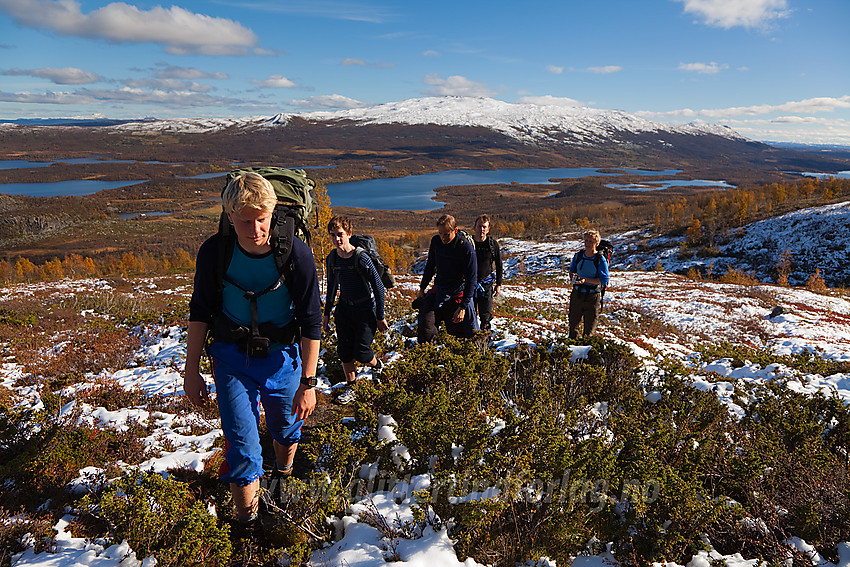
<point>492,243</point>
<point>282,240</point>
<point>358,254</point>
<point>226,244</point>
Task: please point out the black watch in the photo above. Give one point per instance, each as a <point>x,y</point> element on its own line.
<point>309,381</point>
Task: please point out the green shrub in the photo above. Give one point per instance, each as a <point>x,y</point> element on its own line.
<point>159,516</point>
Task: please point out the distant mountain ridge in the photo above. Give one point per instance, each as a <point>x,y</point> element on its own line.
<point>526,122</point>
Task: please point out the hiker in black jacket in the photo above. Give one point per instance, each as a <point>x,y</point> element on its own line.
<point>359,312</point>
<point>489,279</point>
<point>452,258</point>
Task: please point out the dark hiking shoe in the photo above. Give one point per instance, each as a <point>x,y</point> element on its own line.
<point>378,372</point>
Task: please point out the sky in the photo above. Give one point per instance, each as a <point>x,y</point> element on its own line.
<point>773,70</point>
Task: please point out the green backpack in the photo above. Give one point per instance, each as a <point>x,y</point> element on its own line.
<point>295,195</point>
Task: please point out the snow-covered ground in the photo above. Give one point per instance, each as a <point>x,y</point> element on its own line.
<point>657,313</point>
<point>815,239</point>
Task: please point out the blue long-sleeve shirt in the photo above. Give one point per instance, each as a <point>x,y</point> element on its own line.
<point>455,266</point>
<point>585,267</point>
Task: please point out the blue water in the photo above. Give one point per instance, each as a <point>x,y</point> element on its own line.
<point>659,185</point>
<point>415,192</point>
<point>22,163</point>
<point>206,175</point>
<point>75,187</point>
<point>823,176</point>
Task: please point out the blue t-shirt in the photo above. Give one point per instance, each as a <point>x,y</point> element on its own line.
<point>255,273</point>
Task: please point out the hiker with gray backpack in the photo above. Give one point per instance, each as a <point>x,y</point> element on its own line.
<point>589,276</point>
<point>355,270</point>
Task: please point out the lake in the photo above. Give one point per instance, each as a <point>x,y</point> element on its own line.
<point>22,163</point>
<point>825,176</point>
<point>415,192</point>
<point>74,187</point>
<point>659,185</point>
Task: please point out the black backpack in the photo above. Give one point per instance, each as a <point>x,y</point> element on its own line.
<point>289,221</point>
<point>366,243</point>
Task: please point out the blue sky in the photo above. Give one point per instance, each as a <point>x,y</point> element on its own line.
<point>771,69</point>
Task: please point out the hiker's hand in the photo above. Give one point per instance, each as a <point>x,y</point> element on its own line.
<point>496,289</point>
<point>459,315</point>
<point>195,388</point>
<point>304,402</point>
<point>382,325</point>
<point>326,324</point>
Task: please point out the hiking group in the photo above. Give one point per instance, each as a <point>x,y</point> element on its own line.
<point>256,311</point>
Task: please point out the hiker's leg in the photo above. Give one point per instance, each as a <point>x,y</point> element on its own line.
<point>426,330</point>
<point>466,328</point>
<point>285,454</point>
<point>345,341</point>
<point>245,500</point>
<point>238,404</point>
<point>364,325</point>
<point>591,312</point>
<point>484,305</point>
<point>350,370</point>
<point>575,313</point>
<point>278,395</point>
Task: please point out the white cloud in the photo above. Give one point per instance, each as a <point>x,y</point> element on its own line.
<point>274,82</point>
<point>431,53</point>
<point>605,70</point>
<point>732,13</point>
<point>181,31</point>
<point>549,100</point>
<point>555,69</point>
<point>177,72</point>
<point>806,106</point>
<point>125,95</point>
<point>455,85</point>
<point>352,62</point>
<point>168,85</point>
<point>327,102</point>
<point>63,76</point>
<point>331,9</point>
<point>704,68</point>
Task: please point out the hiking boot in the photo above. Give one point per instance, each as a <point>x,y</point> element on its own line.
<point>252,530</point>
<point>348,395</point>
<point>378,371</point>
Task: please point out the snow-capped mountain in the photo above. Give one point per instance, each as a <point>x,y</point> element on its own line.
<point>526,122</point>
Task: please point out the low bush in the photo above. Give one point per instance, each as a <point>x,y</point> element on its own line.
<point>160,517</point>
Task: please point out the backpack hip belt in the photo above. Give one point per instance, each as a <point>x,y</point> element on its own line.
<point>355,302</point>
<point>226,331</point>
<point>585,290</point>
